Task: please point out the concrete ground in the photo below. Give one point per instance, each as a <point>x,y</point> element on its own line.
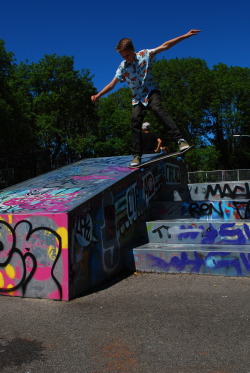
<point>139,323</point>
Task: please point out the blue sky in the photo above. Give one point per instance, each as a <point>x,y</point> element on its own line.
<point>90,30</point>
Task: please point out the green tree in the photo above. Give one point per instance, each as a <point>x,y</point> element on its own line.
<point>9,110</point>
<point>16,133</point>
<point>204,158</point>
<point>229,110</point>
<point>64,114</point>
<point>185,87</point>
<point>46,106</point>
<point>114,135</point>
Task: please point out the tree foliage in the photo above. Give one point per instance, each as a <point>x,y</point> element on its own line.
<point>47,118</point>
<point>63,112</point>
<point>46,114</point>
<point>228,113</point>
<point>208,105</point>
<point>185,87</point>
<point>114,113</point>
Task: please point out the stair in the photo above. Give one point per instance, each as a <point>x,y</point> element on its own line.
<point>201,229</point>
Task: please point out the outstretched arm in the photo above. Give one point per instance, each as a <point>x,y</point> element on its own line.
<point>105,90</point>
<point>170,43</point>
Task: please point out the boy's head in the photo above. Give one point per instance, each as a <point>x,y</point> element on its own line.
<point>146,126</point>
<point>123,44</point>
<point>126,49</point>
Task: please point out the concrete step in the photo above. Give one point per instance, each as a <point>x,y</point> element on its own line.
<point>202,232</point>
<point>231,209</point>
<point>233,260</point>
<point>236,190</point>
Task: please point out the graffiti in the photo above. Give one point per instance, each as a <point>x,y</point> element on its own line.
<point>82,247</point>
<point>19,258</point>
<point>132,202</point>
<point>44,199</point>
<point>148,187</point>
<point>119,169</point>
<point>226,191</point>
<point>110,243</point>
<point>224,233</point>
<point>131,198</point>
<point>212,262</point>
<point>221,209</point>
<point>84,230</point>
<point>242,209</point>
<point>159,231</point>
<point>93,177</point>
<point>172,173</point>
<point>201,209</point>
<point>100,202</point>
<point>137,201</point>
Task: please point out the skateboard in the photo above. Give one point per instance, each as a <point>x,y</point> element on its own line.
<point>160,157</point>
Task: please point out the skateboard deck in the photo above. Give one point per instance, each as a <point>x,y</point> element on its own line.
<point>161,157</point>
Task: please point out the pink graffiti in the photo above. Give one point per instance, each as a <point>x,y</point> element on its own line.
<point>117,168</point>
<point>46,201</point>
<point>30,258</point>
<point>94,177</point>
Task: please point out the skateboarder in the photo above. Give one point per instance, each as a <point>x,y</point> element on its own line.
<point>135,69</point>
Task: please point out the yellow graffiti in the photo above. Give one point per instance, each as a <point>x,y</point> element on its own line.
<point>52,252</point>
<point>47,233</point>
<point>149,226</point>
<point>63,233</point>
<point>1,280</point>
<point>10,292</point>
<point>10,271</point>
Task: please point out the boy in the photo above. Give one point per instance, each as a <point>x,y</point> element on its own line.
<point>135,69</point>
<point>151,142</point>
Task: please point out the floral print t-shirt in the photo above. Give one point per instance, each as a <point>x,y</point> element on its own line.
<point>138,75</point>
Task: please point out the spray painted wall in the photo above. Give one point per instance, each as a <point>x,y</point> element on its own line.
<point>64,232</point>
<point>101,229</point>
<point>201,260</point>
<point>198,228</point>
<point>33,255</point>
<point>219,191</point>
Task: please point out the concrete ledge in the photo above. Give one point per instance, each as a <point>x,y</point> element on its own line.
<point>227,210</point>
<point>209,260</point>
<point>188,231</point>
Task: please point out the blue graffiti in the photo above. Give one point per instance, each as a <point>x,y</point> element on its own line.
<point>223,261</point>
<point>179,263</point>
<point>209,235</point>
<point>245,260</point>
<point>190,234</point>
<point>216,209</point>
<point>228,233</point>
<point>212,262</point>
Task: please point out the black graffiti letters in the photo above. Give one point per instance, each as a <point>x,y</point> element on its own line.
<point>226,191</point>
<point>26,258</point>
<point>204,209</point>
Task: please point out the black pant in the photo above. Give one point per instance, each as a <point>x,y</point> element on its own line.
<point>139,112</point>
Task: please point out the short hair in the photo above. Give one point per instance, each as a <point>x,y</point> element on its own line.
<point>123,44</point>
